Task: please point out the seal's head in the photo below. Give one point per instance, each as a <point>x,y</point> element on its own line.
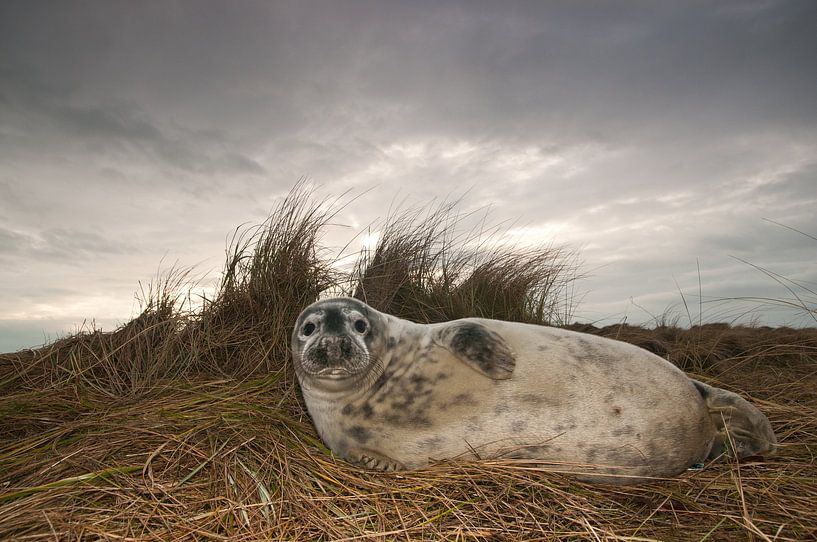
<point>334,344</point>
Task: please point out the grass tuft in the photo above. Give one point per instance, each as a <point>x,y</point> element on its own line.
<point>425,267</point>
<point>272,272</point>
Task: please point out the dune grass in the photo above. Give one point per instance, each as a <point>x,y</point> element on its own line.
<point>187,424</point>
<point>427,268</point>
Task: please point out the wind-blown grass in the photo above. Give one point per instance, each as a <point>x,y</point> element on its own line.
<point>272,272</point>
<point>186,425</point>
<point>425,268</point>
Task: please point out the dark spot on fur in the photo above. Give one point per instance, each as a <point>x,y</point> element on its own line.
<point>392,342</point>
<point>564,427</point>
<point>590,351</point>
<point>616,410</point>
<point>626,430</point>
<point>360,434</point>
<point>404,402</point>
<point>419,384</point>
<point>486,349</point>
<point>393,418</point>
<point>418,380</point>
<point>419,421</point>
<point>473,424</point>
<point>367,410</point>
<point>519,425</point>
<point>531,398</point>
<point>347,409</point>
<point>432,443</point>
<point>462,399</point>
<point>379,383</point>
<point>501,408</point>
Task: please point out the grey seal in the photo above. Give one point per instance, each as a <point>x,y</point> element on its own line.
<point>390,394</point>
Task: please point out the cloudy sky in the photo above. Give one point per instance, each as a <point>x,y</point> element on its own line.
<point>656,137</point>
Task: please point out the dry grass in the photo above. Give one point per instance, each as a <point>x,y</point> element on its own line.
<point>187,425</point>
<point>425,268</point>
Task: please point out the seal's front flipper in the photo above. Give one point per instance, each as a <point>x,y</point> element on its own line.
<point>373,460</point>
<point>479,347</point>
<point>738,422</point>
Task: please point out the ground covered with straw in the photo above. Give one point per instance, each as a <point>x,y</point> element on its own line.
<point>187,424</point>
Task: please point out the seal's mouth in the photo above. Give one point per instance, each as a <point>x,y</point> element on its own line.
<point>332,373</point>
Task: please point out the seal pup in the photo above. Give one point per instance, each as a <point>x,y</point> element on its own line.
<point>391,394</point>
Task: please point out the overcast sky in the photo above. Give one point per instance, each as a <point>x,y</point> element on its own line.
<point>654,136</point>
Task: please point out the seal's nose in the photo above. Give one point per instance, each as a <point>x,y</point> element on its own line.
<point>337,347</point>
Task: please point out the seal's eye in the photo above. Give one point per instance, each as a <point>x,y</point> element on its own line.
<point>309,328</point>
<point>361,326</point>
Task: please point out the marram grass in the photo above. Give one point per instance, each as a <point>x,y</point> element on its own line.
<point>188,425</point>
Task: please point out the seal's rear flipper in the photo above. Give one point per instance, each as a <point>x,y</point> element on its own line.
<point>738,422</point>
<point>481,348</point>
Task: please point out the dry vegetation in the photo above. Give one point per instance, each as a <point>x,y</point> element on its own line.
<point>187,424</point>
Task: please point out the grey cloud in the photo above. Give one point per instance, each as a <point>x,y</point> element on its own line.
<point>65,245</point>
<point>7,192</point>
<point>755,238</point>
<point>795,187</point>
<point>119,130</point>
<point>115,124</point>
<point>522,70</point>
<point>12,242</point>
<point>48,293</point>
<point>536,74</point>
